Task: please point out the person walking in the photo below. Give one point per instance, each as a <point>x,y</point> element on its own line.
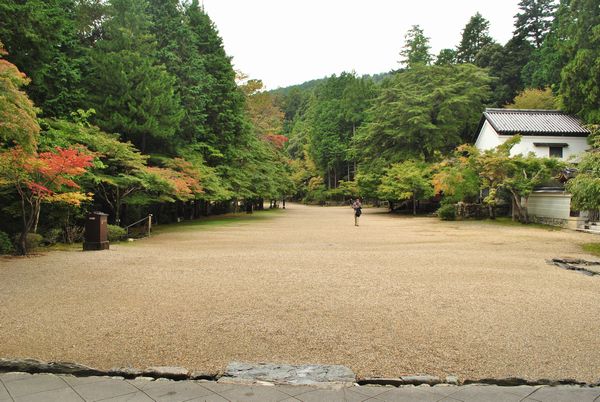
<point>357,207</point>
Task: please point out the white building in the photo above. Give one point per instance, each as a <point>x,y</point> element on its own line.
<point>546,133</point>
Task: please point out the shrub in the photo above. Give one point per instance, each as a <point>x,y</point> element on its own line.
<point>53,236</point>
<point>6,246</point>
<point>73,234</point>
<point>116,233</point>
<point>447,212</point>
<point>32,242</point>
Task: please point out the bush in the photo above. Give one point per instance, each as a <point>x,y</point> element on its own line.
<point>447,212</point>
<point>116,233</point>
<point>53,236</point>
<point>32,242</point>
<point>6,246</point>
<point>73,234</point>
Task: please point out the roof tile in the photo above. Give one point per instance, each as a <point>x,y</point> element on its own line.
<point>534,122</point>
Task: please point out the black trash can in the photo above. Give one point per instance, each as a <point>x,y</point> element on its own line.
<point>96,232</point>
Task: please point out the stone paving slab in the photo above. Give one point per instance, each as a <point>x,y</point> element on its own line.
<point>309,374</point>
<point>18,387</point>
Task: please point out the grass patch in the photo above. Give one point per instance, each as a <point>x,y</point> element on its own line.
<point>506,221</point>
<point>218,220</point>
<point>592,248</point>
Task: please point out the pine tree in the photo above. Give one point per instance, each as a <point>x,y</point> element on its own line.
<point>534,20</point>
<point>416,48</point>
<point>131,93</point>
<point>475,37</point>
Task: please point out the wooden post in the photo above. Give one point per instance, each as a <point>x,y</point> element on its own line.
<point>149,224</point>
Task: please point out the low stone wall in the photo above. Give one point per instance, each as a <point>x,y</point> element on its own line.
<point>544,220</point>
<point>471,211</point>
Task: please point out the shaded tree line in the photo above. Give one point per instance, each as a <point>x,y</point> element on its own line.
<point>144,93</point>
<point>351,136</point>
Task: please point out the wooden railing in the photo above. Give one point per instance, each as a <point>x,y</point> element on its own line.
<point>148,226</point>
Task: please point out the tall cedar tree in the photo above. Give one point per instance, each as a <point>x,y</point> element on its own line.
<point>579,88</point>
<point>534,20</point>
<point>544,67</point>
<point>223,102</point>
<point>416,48</point>
<point>131,93</point>
<point>475,37</point>
<point>177,50</point>
<point>336,112</point>
<point>41,37</point>
<point>505,64</point>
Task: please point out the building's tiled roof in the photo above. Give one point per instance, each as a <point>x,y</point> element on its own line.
<point>534,122</point>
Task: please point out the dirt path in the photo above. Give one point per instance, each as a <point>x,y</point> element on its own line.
<point>396,295</point>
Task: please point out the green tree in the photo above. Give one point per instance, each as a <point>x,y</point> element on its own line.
<point>546,62</point>
<point>422,111</point>
<point>585,187</point>
<point>409,180</point>
<point>534,20</point>
<point>18,120</point>
<point>505,64</point>
<point>337,110</point>
<point>42,39</point>
<point>416,48</point>
<point>131,93</point>
<point>534,99</point>
<point>223,103</point>
<point>456,177</point>
<point>446,57</point>
<point>177,49</point>
<point>475,37</point>
<point>579,92</point>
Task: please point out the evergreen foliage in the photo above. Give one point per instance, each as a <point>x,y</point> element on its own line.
<point>132,94</point>
<point>580,78</point>
<point>534,20</point>
<point>416,48</point>
<point>475,37</point>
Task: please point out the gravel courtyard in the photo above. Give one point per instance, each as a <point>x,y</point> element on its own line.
<point>397,295</point>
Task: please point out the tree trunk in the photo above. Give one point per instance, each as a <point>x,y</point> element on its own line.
<point>37,218</point>
<point>492,212</point>
<point>414,205</point>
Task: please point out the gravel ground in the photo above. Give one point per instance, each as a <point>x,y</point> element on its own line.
<point>397,295</point>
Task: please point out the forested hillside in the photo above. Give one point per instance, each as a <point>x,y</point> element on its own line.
<point>133,107</point>
<point>393,139</point>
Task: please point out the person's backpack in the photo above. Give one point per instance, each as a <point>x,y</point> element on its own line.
<point>358,211</point>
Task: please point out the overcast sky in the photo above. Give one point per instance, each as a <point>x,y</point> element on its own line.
<point>286,42</point>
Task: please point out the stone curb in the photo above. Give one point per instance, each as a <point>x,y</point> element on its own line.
<point>515,381</point>
<point>34,366</point>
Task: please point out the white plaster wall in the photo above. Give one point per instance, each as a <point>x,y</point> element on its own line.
<point>550,205</point>
<point>577,145</point>
<point>488,139</point>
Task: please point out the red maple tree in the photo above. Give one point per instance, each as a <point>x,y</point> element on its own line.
<point>44,177</point>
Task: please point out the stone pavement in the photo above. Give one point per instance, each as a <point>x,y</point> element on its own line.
<point>22,387</point>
